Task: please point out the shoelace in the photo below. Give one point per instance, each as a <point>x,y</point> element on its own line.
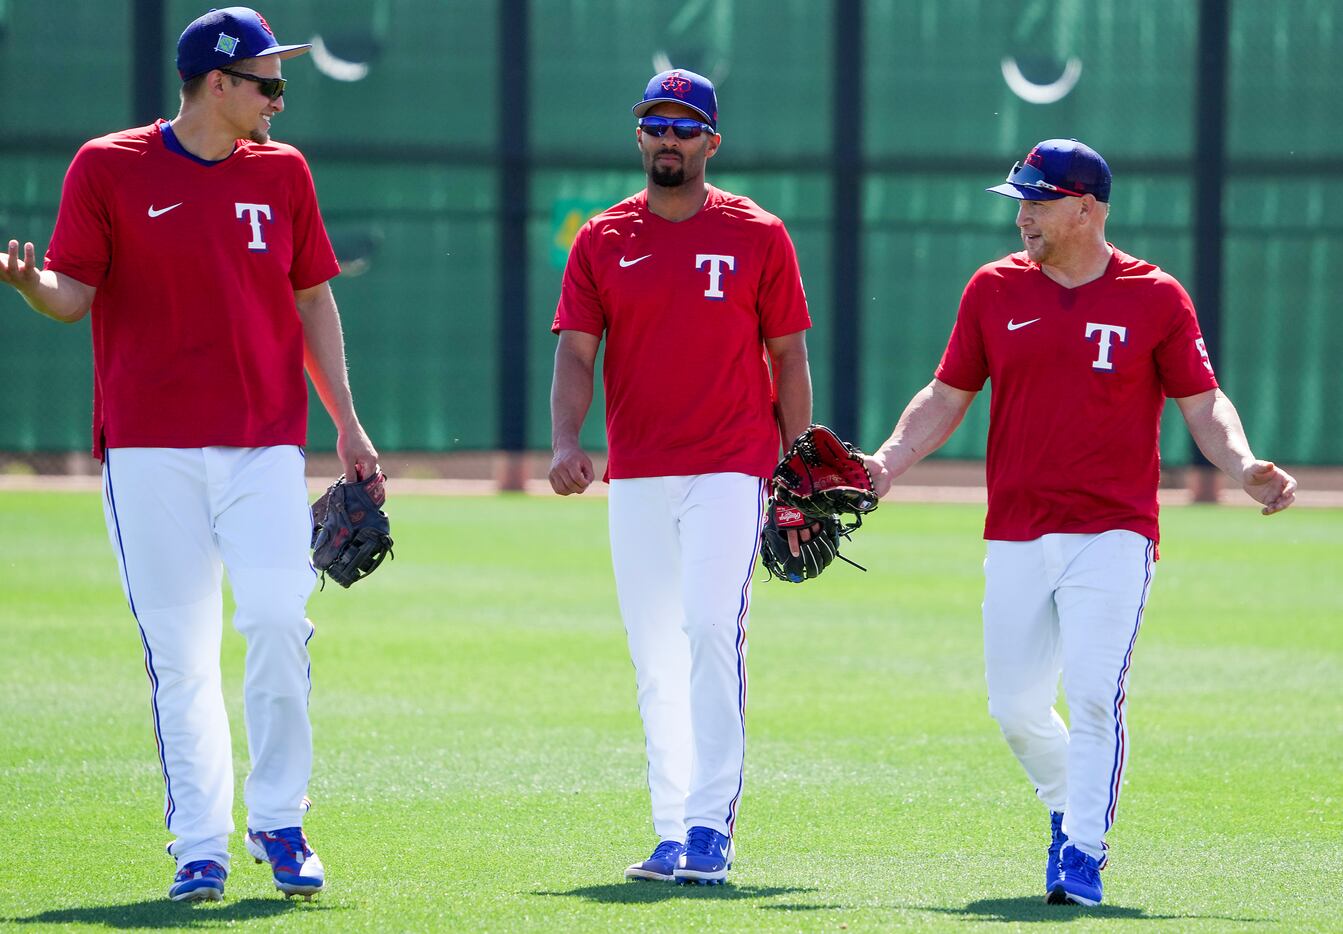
<point>1056,838</point>
<point>1081,867</point>
<point>701,841</point>
<point>665,850</point>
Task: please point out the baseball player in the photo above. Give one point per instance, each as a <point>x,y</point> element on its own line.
<point>698,295</point>
<point>1083,344</point>
<point>198,247</point>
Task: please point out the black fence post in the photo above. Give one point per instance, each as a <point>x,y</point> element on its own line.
<point>846,173</point>
<point>1209,170</point>
<point>514,150</point>
<point>148,44</point>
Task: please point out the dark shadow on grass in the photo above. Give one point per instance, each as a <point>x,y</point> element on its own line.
<point>162,913</point>
<point>644,892</point>
<point>1032,908</point>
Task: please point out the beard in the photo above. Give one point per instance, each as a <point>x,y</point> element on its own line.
<point>259,136</point>
<point>667,176</point>
<point>663,175</point>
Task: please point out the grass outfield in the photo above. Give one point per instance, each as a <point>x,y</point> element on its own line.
<point>480,762</point>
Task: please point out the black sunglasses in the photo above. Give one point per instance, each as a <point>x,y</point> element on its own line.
<point>271,87</point>
<point>685,129</point>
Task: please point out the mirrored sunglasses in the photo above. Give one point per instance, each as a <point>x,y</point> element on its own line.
<point>684,129</point>
<point>1028,176</point>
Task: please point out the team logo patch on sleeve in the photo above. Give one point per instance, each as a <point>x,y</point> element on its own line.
<point>1203,352</point>
<point>226,44</point>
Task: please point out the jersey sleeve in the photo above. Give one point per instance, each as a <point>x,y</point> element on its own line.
<point>964,364</point>
<point>314,259</point>
<point>580,306</point>
<point>782,302</point>
<point>81,244</point>
<point>1182,362</point>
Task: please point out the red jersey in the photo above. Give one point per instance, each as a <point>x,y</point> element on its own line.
<point>685,308</point>
<point>196,336</point>
<point>1079,380</point>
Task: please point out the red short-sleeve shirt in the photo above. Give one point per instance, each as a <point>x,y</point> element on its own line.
<point>196,335</point>
<point>1079,378</point>
<point>685,309</point>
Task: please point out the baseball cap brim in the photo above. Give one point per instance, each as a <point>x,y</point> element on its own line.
<point>1022,193</point>
<point>284,51</point>
<point>643,107</point>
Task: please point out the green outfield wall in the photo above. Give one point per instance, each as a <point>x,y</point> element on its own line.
<point>421,144</point>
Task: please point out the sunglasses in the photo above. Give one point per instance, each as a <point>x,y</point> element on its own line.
<point>685,129</point>
<point>1028,176</point>
<point>271,87</point>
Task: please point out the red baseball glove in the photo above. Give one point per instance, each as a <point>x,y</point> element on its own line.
<point>823,476</point>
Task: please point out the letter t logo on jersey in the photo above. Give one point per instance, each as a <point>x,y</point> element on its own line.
<point>1107,333</point>
<point>715,262</point>
<point>254,214</point>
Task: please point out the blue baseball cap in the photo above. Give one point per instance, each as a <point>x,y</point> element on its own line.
<point>222,37</point>
<point>679,86</point>
<point>1057,168</point>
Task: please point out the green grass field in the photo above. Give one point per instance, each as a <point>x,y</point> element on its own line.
<point>480,761</point>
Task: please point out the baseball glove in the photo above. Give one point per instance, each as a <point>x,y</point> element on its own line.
<point>350,531</point>
<point>823,477</point>
<point>787,556</point>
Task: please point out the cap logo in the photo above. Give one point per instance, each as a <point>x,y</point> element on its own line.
<point>1035,159</point>
<point>265,25</point>
<point>677,85</point>
<point>226,44</point>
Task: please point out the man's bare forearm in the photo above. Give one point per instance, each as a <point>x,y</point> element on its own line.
<point>927,422</point>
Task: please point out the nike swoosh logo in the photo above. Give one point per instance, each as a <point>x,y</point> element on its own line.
<point>630,262</point>
<point>1014,325</point>
<point>156,213</point>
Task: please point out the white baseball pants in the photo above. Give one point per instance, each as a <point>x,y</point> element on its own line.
<point>684,551</point>
<point>176,518</point>
<point>1072,603</point>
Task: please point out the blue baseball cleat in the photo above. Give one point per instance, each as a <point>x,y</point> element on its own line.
<point>707,857</point>
<point>1056,840</point>
<point>297,869</point>
<point>1079,879</point>
<point>199,881</point>
<point>660,866</point>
